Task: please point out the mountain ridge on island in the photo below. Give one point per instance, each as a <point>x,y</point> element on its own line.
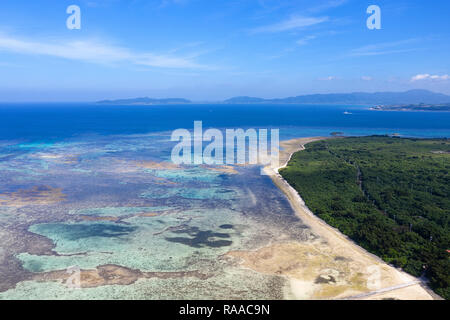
<point>378,98</point>
<point>355,98</point>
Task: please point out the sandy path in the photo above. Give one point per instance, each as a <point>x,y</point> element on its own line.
<point>335,243</point>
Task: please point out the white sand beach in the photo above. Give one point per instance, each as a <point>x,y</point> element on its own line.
<point>355,271</point>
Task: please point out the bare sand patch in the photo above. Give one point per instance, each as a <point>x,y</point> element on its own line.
<point>157,165</point>
<point>38,195</point>
<point>111,275</point>
<point>222,168</point>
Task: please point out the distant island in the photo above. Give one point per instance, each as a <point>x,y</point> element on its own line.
<point>377,98</point>
<point>357,98</point>
<point>245,100</point>
<point>145,101</point>
<point>414,107</point>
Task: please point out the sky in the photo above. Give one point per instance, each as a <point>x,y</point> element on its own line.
<point>207,50</point>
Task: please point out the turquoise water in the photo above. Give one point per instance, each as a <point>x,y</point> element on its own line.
<point>74,194</point>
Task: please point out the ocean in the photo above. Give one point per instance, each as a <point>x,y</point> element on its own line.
<point>58,121</point>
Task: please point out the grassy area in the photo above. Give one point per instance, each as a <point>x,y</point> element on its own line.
<point>390,195</point>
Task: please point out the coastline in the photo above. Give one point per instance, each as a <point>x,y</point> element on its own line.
<point>406,110</point>
<point>394,283</point>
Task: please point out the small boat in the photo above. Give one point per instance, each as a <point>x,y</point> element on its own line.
<point>346,112</point>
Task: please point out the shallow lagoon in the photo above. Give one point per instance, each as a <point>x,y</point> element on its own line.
<point>116,212</point>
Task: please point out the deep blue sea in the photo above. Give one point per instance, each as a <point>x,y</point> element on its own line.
<point>59,121</point>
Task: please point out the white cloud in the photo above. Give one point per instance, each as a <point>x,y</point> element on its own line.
<point>95,52</point>
<point>328,5</point>
<point>366,78</point>
<point>383,48</point>
<point>427,76</point>
<point>305,40</point>
<point>329,78</point>
<point>294,22</point>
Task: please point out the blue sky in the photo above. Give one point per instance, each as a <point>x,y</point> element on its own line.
<point>210,49</point>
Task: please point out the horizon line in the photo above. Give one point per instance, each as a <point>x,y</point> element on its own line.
<point>221,100</point>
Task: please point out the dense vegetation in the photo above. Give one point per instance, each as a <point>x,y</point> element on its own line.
<point>390,195</point>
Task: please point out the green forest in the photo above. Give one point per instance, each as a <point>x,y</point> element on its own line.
<point>390,195</point>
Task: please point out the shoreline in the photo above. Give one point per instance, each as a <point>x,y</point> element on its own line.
<point>394,282</point>
<point>405,110</point>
